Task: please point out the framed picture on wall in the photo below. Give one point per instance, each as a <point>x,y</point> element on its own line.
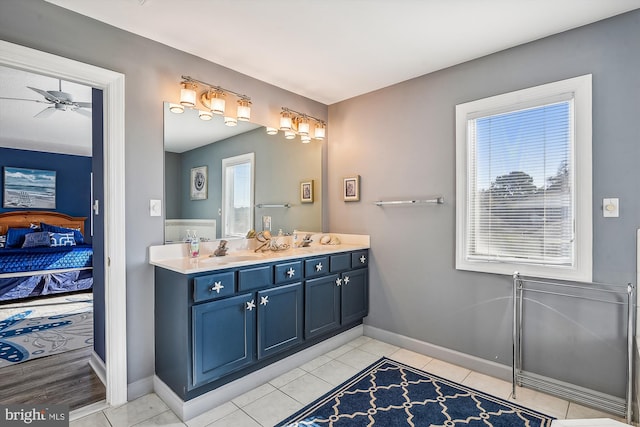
<point>351,188</point>
<point>199,183</point>
<point>306,191</point>
<point>29,188</point>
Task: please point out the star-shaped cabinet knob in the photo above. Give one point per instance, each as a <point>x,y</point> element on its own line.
<point>339,281</point>
<point>346,280</point>
<point>319,266</point>
<point>217,286</point>
<point>251,305</point>
<point>363,259</point>
<point>264,300</point>
<point>291,272</point>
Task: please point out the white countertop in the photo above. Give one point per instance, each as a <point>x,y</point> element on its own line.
<point>175,256</point>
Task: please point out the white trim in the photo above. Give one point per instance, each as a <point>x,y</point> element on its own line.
<point>98,366</point>
<point>201,404</point>
<point>140,388</point>
<point>76,414</point>
<point>581,89</point>
<point>230,162</point>
<point>468,361</point>
<point>112,84</point>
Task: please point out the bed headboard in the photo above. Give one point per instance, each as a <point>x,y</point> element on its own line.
<point>19,219</point>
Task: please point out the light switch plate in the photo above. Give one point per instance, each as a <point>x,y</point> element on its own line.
<point>155,207</point>
<point>611,208</point>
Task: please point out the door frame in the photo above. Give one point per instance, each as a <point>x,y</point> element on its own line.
<point>112,84</point>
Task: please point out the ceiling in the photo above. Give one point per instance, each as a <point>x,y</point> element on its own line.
<point>332,50</point>
<point>62,132</point>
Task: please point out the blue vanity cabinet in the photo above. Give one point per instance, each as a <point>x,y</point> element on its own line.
<point>354,295</point>
<point>279,318</point>
<point>322,305</point>
<point>223,337</point>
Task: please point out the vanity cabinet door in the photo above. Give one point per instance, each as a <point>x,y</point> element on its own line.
<point>279,319</point>
<point>223,337</point>
<point>322,305</point>
<point>355,295</point>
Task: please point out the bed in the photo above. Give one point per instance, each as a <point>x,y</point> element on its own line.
<point>64,265</point>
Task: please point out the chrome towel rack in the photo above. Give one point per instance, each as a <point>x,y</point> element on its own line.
<point>273,205</point>
<point>436,200</point>
<point>609,294</point>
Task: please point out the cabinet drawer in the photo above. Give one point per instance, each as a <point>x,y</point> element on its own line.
<point>254,278</point>
<point>359,259</point>
<point>315,267</point>
<point>213,286</point>
<point>340,262</point>
<point>288,272</point>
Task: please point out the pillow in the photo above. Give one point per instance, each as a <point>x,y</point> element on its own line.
<point>33,240</point>
<point>15,236</point>
<point>77,235</point>
<point>62,239</point>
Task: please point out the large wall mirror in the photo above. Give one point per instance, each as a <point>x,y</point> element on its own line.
<point>195,151</point>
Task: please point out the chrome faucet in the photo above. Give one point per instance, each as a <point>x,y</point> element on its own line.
<point>222,249</point>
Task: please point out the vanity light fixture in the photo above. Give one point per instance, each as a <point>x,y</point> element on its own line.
<point>205,115</point>
<point>213,98</point>
<point>294,123</point>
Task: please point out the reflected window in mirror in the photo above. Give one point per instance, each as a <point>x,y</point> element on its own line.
<point>237,194</point>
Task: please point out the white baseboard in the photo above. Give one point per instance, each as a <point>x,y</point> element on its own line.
<point>139,388</point>
<point>468,361</point>
<point>98,366</point>
<point>201,404</point>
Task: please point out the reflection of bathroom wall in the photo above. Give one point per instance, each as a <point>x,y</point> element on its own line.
<point>280,167</point>
<point>175,230</point>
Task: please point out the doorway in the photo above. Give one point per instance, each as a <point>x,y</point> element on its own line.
<point>112,84</point>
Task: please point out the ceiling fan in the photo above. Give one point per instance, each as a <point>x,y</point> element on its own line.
<point>58,100</point>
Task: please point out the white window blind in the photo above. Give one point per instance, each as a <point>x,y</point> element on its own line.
<point>521,179</point>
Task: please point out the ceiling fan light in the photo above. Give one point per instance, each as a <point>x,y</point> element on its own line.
<point>176,108</point>
<point>230,121</point>
<point>289,134</point>
<point>244,109</point>
<point>272,131</point>
<point>205,115</point>
<point>188,94</point>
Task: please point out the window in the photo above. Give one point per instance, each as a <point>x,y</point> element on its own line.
<point>523,162</point>
<point>237,195</point>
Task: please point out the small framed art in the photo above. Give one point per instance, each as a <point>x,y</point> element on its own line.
<point>306,191</point>
<point>351,188</point>
<point>199,183</point>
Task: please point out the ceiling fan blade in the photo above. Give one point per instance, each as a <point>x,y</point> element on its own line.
<point>45,113</point>
<point>23,99</point>
<point>46,95</point>
<point>83,104</point>
<point>83,112</point>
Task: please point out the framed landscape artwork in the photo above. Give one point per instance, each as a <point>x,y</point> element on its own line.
<point>29,188</point>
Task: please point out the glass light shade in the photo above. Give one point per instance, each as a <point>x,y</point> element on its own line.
<point>188,95</point>
<point>272,131</point>
<point>289,134</point>
<point>176,108</point>
<point>230,121</point>
<point>303,127</point>
<point>244,110</point>
<point>305,139</point>
<point>285,122</point>
<point>217,103</point>
<point>319,132</point>
<point>205,115</point>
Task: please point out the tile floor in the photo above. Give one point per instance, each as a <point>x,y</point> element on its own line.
<point>271,402</point>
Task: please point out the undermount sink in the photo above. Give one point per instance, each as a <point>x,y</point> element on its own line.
<point>232,258</point>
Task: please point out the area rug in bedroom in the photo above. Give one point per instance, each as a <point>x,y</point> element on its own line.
<point>389,394</point>
<point>44,327</point>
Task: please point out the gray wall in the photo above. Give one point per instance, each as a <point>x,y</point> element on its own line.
<point>280,166</point>
<point>152,72</point>
<point>401,140</point>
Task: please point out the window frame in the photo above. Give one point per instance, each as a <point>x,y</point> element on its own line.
<point>580,87</point>
<point>232,162</point>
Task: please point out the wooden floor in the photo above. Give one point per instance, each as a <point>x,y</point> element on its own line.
<point>64,378</point>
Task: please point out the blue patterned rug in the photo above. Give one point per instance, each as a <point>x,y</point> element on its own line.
<point>389,394</point>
